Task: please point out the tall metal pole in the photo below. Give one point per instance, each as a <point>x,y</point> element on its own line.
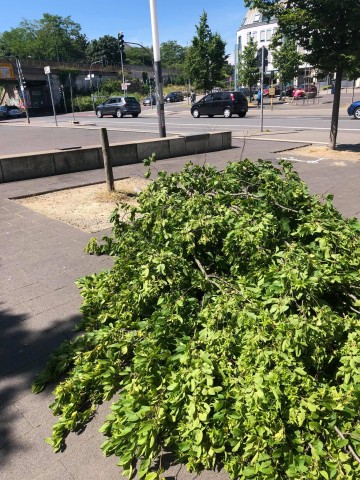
<point>63,95</point>
<point>157,68</point>
<point>52,99</point>
<point>22,88</point>
<point>262,88</point>
<point>122,70</point>
<point>71,96</point>
<point>91,84</point>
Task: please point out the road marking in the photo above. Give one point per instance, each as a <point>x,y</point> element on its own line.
<point>293,159</point>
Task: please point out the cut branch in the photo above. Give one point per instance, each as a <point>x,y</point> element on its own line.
<point>348,447</point>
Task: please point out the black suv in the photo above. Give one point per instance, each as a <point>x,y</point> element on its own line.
<point>118,107</point>
<point>174,97</point>
<point>221,103</point>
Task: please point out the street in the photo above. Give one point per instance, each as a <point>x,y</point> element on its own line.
<point>41,258</point>
<point>304,122</point>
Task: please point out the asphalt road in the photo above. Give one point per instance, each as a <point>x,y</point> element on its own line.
<point>307,121</point>
<point>286,126</point>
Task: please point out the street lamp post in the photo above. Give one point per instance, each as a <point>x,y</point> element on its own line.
<point>157,69</point>
<point>22,87</point>
<point>91,85</point>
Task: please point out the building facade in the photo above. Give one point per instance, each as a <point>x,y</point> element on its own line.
<point>261,29</point>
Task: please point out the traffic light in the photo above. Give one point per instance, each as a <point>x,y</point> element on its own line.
<point>60,90</point>
<point>24,81</point>
<point>121,40</point>
<point>259,57</point>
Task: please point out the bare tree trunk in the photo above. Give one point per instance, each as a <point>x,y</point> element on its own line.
<point>335,109</point>
<point>353,92</point>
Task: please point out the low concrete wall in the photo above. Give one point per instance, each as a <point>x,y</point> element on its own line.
<point>55,162</point>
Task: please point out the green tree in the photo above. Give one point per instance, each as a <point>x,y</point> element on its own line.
<point>287,60</point>
<point>248,69</point>
<point>60,38</point>
<point>172,54</point>
<point>51,38</point>
<point>138,55</point>
<point>205,59</point>
<point>20,41</point>
<point>106,47</point>
<point>353,72</point>
<point>329,32</point>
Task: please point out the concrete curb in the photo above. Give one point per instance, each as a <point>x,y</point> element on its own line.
<point>58,162</point>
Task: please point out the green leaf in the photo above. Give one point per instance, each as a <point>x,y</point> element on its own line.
<point>223,332</point>
<point>152,476</point>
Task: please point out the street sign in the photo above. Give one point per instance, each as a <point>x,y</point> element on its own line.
<point>271,91</point>
<point>47,70</point>
<point>125,85</point>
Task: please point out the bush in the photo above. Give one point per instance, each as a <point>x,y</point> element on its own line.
<point>227,330</point>
<point>83,104</point>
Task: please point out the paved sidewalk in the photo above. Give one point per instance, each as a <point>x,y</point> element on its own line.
<point>40,259</point>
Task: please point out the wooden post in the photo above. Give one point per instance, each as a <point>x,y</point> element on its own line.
<point>107,160</point>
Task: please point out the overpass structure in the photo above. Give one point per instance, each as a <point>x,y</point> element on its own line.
<point>37,91</point>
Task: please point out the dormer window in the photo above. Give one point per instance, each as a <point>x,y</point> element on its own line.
<point>257,17</point>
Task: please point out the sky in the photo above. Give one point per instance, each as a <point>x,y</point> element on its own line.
<point>176,20</point>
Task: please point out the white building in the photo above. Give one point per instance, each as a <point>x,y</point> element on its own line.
<point>262,29</point>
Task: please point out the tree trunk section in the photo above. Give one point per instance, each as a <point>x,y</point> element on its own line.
<point>335,109</point>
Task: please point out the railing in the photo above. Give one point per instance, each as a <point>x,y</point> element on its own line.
<point>80,65</point>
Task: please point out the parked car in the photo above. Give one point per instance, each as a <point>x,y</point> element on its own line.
<point>10,111</point>
<point>354,109</point>
<point>309,87</point>
<point>150,100</point>
<point>298,93</point>
<point>277,90</point>
<point>221,103</point>
<point>180,95</point>
<point>174,97</point>
<point>288,91</point>
<point>119,107</point>
<point>246,90</point>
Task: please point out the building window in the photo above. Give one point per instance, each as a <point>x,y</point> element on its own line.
<point>262,36</point>
<point>248,37</point>
<point>254,36</point>
<point>268,34</point>
<point>257,17</point>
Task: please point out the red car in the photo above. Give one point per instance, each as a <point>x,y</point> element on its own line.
<point>299,93</point>
<point>309,87</point>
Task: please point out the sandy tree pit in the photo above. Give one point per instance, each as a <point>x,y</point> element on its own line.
<point>89,208</point>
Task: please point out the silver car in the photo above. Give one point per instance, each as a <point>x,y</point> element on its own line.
<point>10,111</point>
<point>119,107</point>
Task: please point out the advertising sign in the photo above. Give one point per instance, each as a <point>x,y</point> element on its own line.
<point>6,71</point>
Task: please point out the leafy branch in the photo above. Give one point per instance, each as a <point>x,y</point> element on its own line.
<point>226,331</point>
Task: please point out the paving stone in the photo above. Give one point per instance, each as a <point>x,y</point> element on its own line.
<point>10,415</point>
<point>45,256</point>
<point>27,457</point>
<point>56,471</point>
<point>25,294</point>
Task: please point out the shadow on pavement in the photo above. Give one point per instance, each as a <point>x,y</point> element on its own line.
<point>24,352</point>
